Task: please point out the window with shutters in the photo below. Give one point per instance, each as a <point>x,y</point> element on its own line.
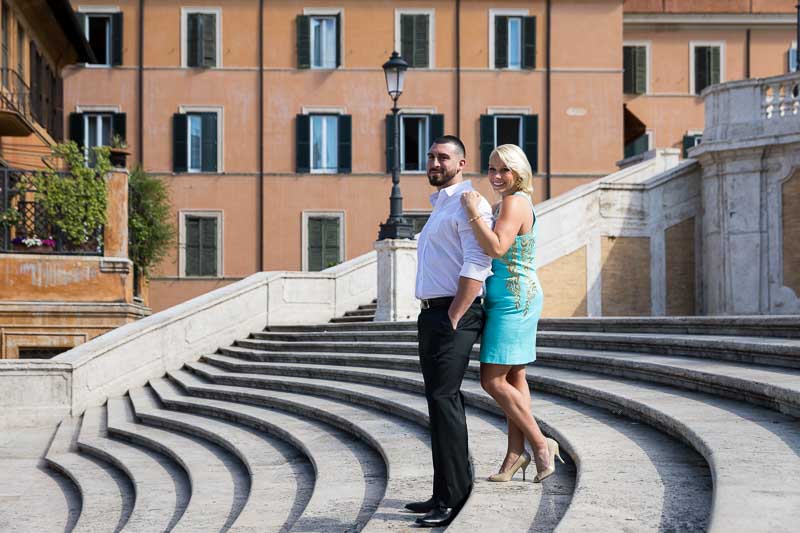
<point>417,129</point>
<point>201,38</point>
<point>414,36</point>
<point>200,250</point>
<point>197,134</point>
<point>690,140</point>
<point>707,65</point>
<point>103,30</point>
<point>636,66</point>
<point>323,236</point>
<point>507,128</point>
<point>323,141</point>
<point>95,126</point>
<point>512,39</point>
<point>319,36</point>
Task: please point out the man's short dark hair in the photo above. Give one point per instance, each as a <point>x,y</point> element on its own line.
<point>455,141</point>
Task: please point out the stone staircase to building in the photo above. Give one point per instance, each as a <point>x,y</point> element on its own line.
<point>670,424</point>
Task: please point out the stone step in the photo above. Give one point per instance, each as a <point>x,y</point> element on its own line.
<point>487,443</point>
<point>755,326</point>
<point>280,477</point>
<point>711,425</point>
<point>212,484</point>
<point>347,471</point>
<point>106,495</point>
<point>591,435</point>
<point>161,488</point>
<point>763,386</point>
<point>751,350</point>
<point>361,312</point>
<point>351,319</point>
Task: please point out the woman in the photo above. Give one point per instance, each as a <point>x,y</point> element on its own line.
<point>513,305</point>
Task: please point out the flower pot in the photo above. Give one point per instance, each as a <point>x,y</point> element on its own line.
<point>118,157</point>
<point>33,249</point>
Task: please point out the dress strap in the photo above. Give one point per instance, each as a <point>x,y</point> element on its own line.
<point>530,202</point>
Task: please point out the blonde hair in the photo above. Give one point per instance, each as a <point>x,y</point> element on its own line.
<point>515,159</point>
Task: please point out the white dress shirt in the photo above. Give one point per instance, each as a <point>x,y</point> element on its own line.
<point>447,247</point>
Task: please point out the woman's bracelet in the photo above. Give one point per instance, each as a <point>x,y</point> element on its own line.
<point>473,219</point>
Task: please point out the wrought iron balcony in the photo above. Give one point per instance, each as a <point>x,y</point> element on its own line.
<point>16,119</point>
<point>25,227</point>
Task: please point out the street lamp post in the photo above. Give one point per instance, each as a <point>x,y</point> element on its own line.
<point>396,226</point>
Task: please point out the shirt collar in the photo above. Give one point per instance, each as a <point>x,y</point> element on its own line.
<point>451,190</point>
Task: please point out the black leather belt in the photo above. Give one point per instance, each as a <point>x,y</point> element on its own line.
<point>443,301</point>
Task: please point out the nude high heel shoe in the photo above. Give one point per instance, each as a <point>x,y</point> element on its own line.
<point>522,462</point>
<point>553,452</point>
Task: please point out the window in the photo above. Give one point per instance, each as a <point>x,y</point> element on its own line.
<point>195,141</point>
<point>201,37</point>
<point>512,40</point>
<point>319,40</point>
<point>324,240</point>
<point>502,128</point>
<point>791,58</point>
<point>707,65</point>
<point>635,64</point>
<point>417,219</point>
<point>417,132</point>
<point>103,30</point>
<point>638,146</point>
<point>414,36</point>
<point>201,239</point>
<point>96,127</point>
<point>323,143</point>
<point>690,140</point>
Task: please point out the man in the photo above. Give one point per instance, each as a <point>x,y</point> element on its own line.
<point>451,269</point>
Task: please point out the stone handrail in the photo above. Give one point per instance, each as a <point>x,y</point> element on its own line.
<point>41,391</point>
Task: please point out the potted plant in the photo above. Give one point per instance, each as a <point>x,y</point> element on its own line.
<point>118,151</point>
<point>33,244</point>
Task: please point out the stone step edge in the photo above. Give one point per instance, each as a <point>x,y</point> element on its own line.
<point>767,395</point>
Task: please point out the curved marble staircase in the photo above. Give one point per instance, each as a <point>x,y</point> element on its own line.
<point>680,424</point>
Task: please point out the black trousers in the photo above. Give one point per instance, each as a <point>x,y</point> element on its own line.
<point>443,356</point>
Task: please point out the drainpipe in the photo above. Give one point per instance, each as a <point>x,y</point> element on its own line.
<point>548,101</point>
<point>140,87</point>
<point>260,137</point>
<point>458,68</point>
<point>747,54</point>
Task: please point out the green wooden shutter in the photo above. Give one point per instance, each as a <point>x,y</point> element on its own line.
<point>435,128</point>
<point>303,41</point>
<point>701,68</point>
<point>500,42</point>
<point>338,40</point>
<point>81,17</point>
<point>487,140</point>
<point>530,140</point>
<point>407,38</point>
<point>314,244</point>
<point>330,242</point>
<point>119,125</point>
<point>690,141</point>
<point>640,69</point>
<point>345,165</point>
<point>389,143</point>
<point>420,56</point>
<point>192,246</point>
<point>116,39</point>
<point>192,40</point>
<point>209,149</point>
<point>208,246</point>
<point>208,43</point>
<point>180,141</point>
<point>76,128</point>
<point>303,144</point>
<point>715,68</point>
<point>629,70</point>
<point>529,42</point>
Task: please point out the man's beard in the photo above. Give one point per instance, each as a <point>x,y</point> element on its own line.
<point>437,180</point>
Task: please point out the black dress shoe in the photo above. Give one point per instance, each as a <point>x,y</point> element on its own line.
<point>439,516</point>
<point>421,507</point>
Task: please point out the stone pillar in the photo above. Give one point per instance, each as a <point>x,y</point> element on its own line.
<point>397,273</point>
<point>115,237</point>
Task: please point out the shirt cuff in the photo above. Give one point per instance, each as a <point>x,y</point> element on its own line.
<point>475,271</point>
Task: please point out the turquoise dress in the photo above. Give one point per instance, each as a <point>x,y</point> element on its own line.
<point>513,303</point>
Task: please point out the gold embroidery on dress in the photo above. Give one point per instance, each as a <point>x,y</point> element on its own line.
<point>519,260</point>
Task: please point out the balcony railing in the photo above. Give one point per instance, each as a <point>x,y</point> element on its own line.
<point>25,227</point>
<point>37,104</point>
<point>17,94</point>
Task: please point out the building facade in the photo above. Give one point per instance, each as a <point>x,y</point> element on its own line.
<point>268,120</point>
